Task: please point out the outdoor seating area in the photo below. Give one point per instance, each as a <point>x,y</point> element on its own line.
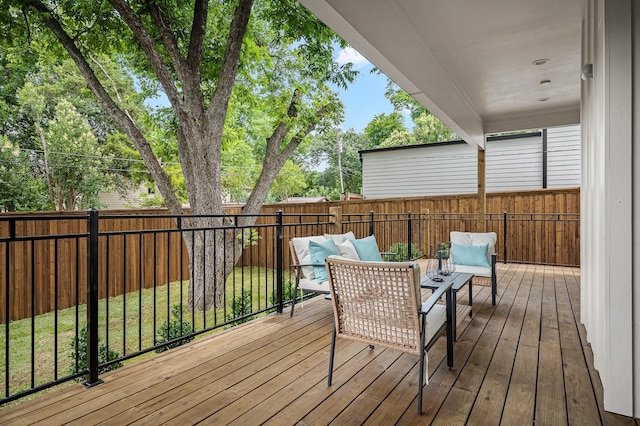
<point>523,361</point>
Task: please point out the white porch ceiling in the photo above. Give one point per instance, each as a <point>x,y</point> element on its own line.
<point>470,62</point>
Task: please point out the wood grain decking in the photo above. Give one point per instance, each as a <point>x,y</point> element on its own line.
<point>521,362</point>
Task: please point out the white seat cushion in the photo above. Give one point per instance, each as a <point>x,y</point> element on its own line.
<point>435,318</point>
<point>478,271</point>
<point>312,285</point>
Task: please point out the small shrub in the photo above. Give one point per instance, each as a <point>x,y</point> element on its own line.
<point>402,252</point>
<point>240,306</point>
<point>174,329</point>
<point>444,248</point>
<point>287,293</point>
<point>248,237</point>
<point>78,354</point>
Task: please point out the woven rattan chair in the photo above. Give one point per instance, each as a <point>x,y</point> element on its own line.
<point>379,304</point>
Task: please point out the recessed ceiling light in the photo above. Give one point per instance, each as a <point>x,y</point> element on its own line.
<point>545,82</point>
<point>543,99</point>
<point>540,61</point>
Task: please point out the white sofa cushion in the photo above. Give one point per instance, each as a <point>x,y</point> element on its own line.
<point>339,238</point>
<point>301,246</point>
<point>347,250</point>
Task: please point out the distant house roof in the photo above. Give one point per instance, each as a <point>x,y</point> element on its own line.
<point>305,200</point>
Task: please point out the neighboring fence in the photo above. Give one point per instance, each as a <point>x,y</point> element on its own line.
<point>543,227</point>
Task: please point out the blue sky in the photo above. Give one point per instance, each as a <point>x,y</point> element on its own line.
<point>365,98</point>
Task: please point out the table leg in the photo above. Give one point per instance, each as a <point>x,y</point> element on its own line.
<point>449,303</point>
<point>454,313</point>
<point>470,297</point>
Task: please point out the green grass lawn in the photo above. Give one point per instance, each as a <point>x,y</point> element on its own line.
<point>132,325</point>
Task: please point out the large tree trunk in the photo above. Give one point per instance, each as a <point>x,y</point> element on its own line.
<point>213,254</point>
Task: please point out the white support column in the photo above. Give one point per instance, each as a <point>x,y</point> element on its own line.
<point>608,126</point>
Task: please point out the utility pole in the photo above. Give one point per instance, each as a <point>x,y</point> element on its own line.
<point>339,147</point>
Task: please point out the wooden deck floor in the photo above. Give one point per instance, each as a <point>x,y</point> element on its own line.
<point>521,362</point>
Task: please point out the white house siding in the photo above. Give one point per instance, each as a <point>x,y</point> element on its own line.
<point>563,157</point>
<point>418,170</point>
<point>513,164</point>
<point>133,199</point>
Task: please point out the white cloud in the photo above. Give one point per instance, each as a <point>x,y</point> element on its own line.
<point>349,54</point>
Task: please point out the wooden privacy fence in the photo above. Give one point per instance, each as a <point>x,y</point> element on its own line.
<point>44,259</point>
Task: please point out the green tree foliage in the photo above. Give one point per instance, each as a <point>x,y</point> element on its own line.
<point>73,161</point>
<point>289,182</point>
<point>402,101</point>
<point>323,152</point>
<point>399,138</point>
<point>429,129</point>
<point>382,126</point>
<point>30,109</point>
<point>21,185</point>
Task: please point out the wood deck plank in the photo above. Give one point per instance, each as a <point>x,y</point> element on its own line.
<point>550,396</point>
<point>460,403</point>
<point>523,361</point>
<point>582,408</point>
<point>490,400</point>
<point>521,395</point>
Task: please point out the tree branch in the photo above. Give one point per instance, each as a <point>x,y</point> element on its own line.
<point>275,140</point>
<point>198,31</point>
<point>119,116</point>
<point>275,159</point>
<point>147,44</point>
<point>169,41</point>
<point>218,107</point>
<point>297,139</point>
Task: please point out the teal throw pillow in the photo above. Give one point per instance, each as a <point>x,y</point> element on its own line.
<point>367,249</point>
<point>319,253</point>
<point>470,255</point>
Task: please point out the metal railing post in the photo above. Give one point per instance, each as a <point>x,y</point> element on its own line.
<point>409,236</point>
<point>92,302</point>
<point>371,222</point>
<point>504,233</point>
<point>279,261</point>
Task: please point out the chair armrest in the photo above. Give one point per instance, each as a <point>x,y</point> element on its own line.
<point>298,265</point>
<point>435,296</point>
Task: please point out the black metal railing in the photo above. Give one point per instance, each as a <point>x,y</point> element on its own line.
<point>85,292</point>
